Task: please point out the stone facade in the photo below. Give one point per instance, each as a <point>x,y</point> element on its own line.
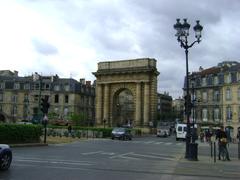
<point>217,96</point>
<point>139,77</point>
<point>20,97</point>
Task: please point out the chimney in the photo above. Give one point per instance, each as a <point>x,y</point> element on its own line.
<point>88,83</point>
<point>16,73</point>
<point>82,80</point>
<point>200,68</point>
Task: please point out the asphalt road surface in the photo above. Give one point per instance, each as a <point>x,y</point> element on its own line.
<point>147,158</point>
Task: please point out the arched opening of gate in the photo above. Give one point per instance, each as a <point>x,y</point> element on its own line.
<point>123,108</point>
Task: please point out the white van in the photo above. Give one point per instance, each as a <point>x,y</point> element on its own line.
<point>181,131</point>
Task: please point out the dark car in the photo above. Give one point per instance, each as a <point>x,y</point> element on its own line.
<point>5,157</point>
<point>122,133</point>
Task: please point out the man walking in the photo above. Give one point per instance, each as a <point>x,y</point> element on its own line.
<point>222,143</point>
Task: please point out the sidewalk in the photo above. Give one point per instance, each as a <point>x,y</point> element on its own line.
<point>205,168</point>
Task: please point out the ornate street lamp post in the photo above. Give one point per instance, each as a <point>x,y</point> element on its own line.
<point>182,37</point>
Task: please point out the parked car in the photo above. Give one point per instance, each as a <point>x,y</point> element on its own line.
<point>5,157</point>
<point>122,133</point>
<point>162,132</point>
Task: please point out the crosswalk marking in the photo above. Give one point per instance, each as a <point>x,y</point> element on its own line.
<point>158,143</point>
<point>148,142</point>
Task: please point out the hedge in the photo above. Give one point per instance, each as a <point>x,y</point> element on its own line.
<point>20,133</point>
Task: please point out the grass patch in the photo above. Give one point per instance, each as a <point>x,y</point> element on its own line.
<point>59,140</point>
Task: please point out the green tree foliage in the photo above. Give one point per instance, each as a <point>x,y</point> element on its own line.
<point>79,119</point>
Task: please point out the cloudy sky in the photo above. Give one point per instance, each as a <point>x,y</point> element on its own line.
<point>69,37</point>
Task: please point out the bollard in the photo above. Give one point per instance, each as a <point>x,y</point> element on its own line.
<point>211,149</point>
<point>238,150</point>
<point>214,151</point>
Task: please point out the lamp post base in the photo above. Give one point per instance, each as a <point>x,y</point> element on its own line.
<point>193,152</point>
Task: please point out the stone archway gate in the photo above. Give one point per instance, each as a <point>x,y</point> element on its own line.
<point>137,75</point>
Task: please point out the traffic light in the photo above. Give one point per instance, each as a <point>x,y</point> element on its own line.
<point>45,105</point>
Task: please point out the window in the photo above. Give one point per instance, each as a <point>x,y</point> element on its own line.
<point>26,98</point>
<point>204,96</point>
<point>2,85</point>
<point>56,88</point>
<point>238,113</point>
<point>216,80</point>
<point>229,113</point>
<point>56,98</point>
<point>35,86</point>
<point>67,87</point>
<point>233,77</point>
<point>56,110</point>
<point>228,94</point>
<point>221,79</point>
<point>216,114</point>
<point>14,110</point>
<point>36,98</point>
<point>238,93</point>
<point>204,114</point>
<point>26,86</point>
<point>228,78</point>
<point>65,111</point>
<point>1,97</point>
<point>204,82</point>
<point>216,95</point>
<point>16,86</point>
<point>1,108</point>
<point>47,86</point>
<point>14,98</point>
<point>66,98</point>
<point>210,80</point>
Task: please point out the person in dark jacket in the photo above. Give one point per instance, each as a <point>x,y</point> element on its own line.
<point>222,143</point>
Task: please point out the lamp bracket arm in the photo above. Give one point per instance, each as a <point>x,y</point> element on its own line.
<point>198,41</point>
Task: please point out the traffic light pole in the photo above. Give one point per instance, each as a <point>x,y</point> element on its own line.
<point>45,106</point>
<point>39,98</point>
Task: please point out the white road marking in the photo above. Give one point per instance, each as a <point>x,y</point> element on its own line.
<point>108,153</point>
<point>158,142</point>
<point>168,143</point>
<point>148,142</point>
<point>56,162</point>
<point>152,156</point>
<point>90,153</point>
<point>120,155</point>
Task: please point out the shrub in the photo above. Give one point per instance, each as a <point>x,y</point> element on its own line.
<point>20,133</point>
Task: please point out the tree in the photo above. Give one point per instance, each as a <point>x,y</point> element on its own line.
<point>78,119</point>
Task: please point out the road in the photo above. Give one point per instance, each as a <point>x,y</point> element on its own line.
<point>142,158</point>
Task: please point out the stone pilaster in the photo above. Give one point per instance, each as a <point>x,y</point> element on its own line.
<point>138,104</point>
<point>106,103</point>
<point>98,104</point>
<point>146,104</point>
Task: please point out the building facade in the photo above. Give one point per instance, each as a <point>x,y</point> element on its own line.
<point>126,92</point>
<point>20,97</point>
<point>215,96</point>
<point>178,109</point>
<point>164,107</point>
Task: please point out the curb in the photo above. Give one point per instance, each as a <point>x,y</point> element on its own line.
<point>27,145</point>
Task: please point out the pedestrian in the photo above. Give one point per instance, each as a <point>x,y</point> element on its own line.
<point>222,143</point>
<point>69,129</point>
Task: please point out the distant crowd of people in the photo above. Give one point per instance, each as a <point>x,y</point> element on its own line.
<point>205,135</point>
